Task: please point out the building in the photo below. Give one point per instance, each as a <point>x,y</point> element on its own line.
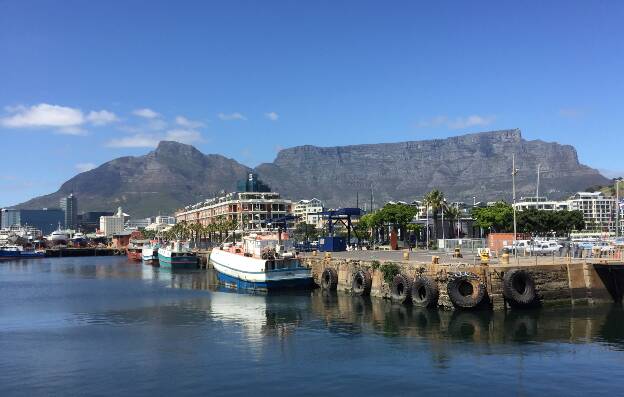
<point>46,219</point>
<point>597,209</point>
<point>249,210</point>
<point>69,205</point>
<point>541,203</point>
<point>308,211</point>
<point>134,224</point>
<point>114,224</point>
<point>165,220</point>
<point>89,222</point>
<point>9,217</point>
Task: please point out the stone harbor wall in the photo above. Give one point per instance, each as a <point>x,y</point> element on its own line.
<point>556,283</point>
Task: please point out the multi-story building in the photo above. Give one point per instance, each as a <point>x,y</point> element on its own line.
<point>69,205</point>
<point>598,211</point>
<point>165,220</point>
<point>249,210</point>
<point>541,203</point>
<point>308,211</point>
<point>139,223</point>
<point>89,222</point>
<point>114,224</point>
<point>47,219</point>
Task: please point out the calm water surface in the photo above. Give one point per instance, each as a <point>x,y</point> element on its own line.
<point>104,326</point>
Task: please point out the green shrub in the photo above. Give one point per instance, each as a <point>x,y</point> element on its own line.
<point>389,270</point>
<point>375,265</point>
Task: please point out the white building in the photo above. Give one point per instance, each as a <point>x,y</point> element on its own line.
<point>541,203</point>
<point>134,224</point>
<point>598,210</point>
<point>110,225</point>
<point>165,220</point>
<point>308,211</point>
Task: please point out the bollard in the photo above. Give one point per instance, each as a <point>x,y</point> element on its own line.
<point>505,259</point>
<point>435,260</point>
<point>406,256</point>
<point>596,252</point>
<point>328,255</point>
<point>314,253</point>
<point>457,253</point>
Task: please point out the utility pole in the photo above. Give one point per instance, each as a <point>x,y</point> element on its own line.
<point>538,178</point>
<point>514,171</point>
<point>427,229</point>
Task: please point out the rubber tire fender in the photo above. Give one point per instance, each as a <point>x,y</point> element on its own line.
<point>519,288</point>
<point>361,284</point>
<point>329,279</point>
<point>401,288</point>
<point>425,292</point>
<point>468,301</point>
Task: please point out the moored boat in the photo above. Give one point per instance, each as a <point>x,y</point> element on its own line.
<point>17,252</point>
<point>149,253</point>
<point>261,262</point>
<point>134,250</point>
<point>177,255</point>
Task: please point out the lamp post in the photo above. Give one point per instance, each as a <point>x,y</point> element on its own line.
<point>514,171</point>
<point>617,206</point>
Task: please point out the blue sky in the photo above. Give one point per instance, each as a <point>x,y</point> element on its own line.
<point>83,82</point>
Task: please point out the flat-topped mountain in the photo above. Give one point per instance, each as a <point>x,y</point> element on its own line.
<point>463,167</point>
<point>474,165</point>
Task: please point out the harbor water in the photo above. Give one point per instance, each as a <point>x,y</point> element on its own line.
<point>106,326</point>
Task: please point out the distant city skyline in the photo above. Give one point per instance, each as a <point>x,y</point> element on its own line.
<point>83,83</point>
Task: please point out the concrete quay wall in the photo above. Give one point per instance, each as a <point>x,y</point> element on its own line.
<point>557,283</point>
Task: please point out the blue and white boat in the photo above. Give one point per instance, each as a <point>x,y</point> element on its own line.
<point>260,262</point>
<point>149,254</point>
<point>177,255</point>
<point>17,252</point>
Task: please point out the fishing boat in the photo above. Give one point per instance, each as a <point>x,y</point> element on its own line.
<point>18,252</point>
<point>177,255</point>
<point>134,250</point>
<point>58,237</point>
<point>261,262</point>
<point>149,253</point>
<point>79,239</point>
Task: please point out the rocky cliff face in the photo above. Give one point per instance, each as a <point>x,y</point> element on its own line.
<point>463,167</point>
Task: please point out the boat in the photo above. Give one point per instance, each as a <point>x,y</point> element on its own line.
<point>177,255</point>
<point>134,250</point>
<point>260,262</point>
<point>149,253</point>
<point>18,252</point>
<point>58,237</point>
<point>79,239</point>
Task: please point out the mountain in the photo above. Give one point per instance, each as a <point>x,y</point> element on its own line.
<point>463,167</point>
<point>474,165</point>
<point>167,178</point>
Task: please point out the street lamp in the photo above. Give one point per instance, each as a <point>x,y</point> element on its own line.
<point>617,206</point>
<point>514,172</point>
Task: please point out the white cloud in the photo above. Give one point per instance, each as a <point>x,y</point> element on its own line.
<point>184,122</point>
<point>231,116</point>
<point>135,141</point>
<point>84,167</point>
<point>63,119</point>
<point>571,113</point>
<point>456,123</point>
<point>101,117</point>
<point>146,113</point>
<point>151,140</point>
<point>272,116</point>
<point>43,115</point>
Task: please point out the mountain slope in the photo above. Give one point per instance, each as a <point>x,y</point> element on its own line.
<point>463,167</point>
<point>165,179</point>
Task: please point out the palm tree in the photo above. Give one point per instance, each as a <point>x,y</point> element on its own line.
<point>453,214</point>
<point>434,200</point>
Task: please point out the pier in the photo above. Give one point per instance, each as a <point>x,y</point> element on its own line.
<point>557,280</point>
<point>71,252</point>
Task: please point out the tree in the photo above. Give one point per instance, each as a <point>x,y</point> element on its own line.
<point>396,215</point>
<point>453,214</point>
<point>435,201</point>
<point>498,217</point>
